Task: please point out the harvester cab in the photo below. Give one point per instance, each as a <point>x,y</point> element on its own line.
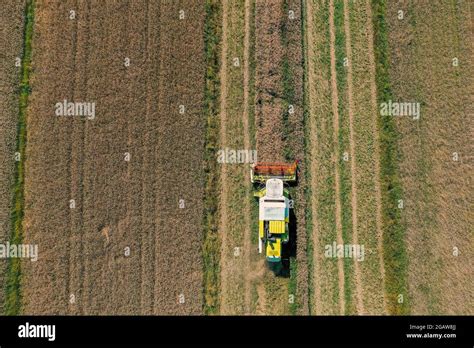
<point>274,206</point>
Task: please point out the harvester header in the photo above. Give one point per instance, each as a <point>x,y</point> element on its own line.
<point>262,171</point>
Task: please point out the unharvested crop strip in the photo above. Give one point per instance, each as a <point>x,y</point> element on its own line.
<point>288,85</point>
<point>13,280</point>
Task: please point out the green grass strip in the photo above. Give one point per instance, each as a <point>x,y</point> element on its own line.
<point>395,255</point>
<point>13,300</point>
<point>211,243</point>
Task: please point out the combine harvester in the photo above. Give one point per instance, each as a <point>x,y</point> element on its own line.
<point>274,206</point>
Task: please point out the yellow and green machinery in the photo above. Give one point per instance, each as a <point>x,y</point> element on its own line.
<point>274,206</point>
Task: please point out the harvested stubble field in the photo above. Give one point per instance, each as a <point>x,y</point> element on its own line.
<point>133,214</point>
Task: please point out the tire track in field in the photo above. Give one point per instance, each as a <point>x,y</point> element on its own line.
<point>335,98</point>
<point>373,103</point>
<point>355,239</point>
<point>223,142</point>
